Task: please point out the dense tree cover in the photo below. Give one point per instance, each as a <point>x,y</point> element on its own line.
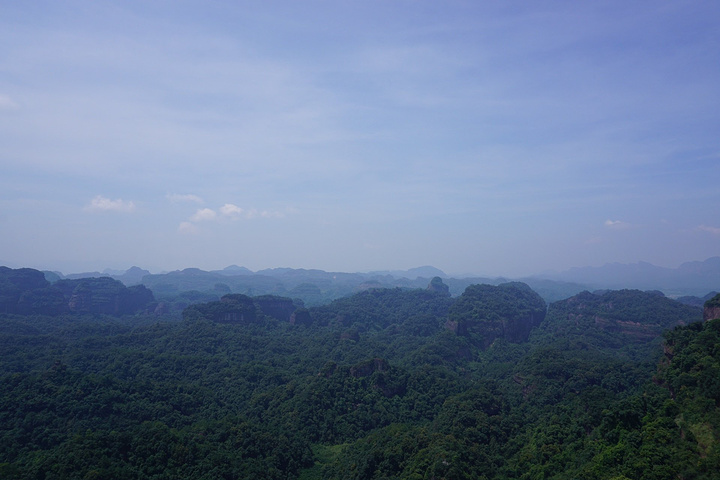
<point>484,313</point>
<point>630,321</point>
<point>415,312</point>
<point>377,385</point>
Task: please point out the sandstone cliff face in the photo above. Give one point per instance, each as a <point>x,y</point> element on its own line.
<point>232,308</point>
<point>381,376</point>
<point>635,330</point>
<point>616,317</point>
<point>711,313</point>
<point>485,313</point>
<point>301,316</point>
<point>369,367</point>
<point>280,308</point>
<point>105,295</point>
<point>242,309</point>
<point>711,310</point>
<point>512,326</point>
<point>25,291</point>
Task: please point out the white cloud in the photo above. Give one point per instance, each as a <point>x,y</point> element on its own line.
<point>102,204</point>
<point>178,198</point>
<point>254,213</point>
<point>617,224</point>
<point>230,210</point>
<point>204,214</point>
<point>188,228</point>
<point>271,214</point>
<point>713,230</point>
<point>233,211</point>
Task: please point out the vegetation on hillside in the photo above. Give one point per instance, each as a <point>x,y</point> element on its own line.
<point>381,384</point>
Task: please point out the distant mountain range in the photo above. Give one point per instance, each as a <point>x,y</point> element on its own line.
<point>135,275</point>
<point>691,278</point>
<point>312,286</point>
<point>318,286</point>
<point>131,276</point>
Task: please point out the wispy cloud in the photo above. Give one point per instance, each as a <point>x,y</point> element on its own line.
<point>234,212</point>
<point>203,215</point>
<point>182,198</point>
<point>617,224</point>
<point>230,210</point>
<point>706,228</point>
<point>103,204</point>
<point>227,212</point>
<point>188,228</point>
<point>253,213</point>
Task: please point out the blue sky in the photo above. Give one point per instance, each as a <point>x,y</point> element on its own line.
<point>498,138</point>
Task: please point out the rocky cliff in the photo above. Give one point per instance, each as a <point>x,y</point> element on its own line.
<point>613,317</point>
<point>485,313</point>
<point>711,310</point>
<point>242,309</point>
<point>280,308</point>
<point>26,291</point>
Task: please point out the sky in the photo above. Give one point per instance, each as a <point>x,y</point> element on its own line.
<point>494,138</point>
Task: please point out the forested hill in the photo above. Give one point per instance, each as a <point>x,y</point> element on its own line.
<point>25,291</point>
<point>388,383</point>
<point>622,319</point>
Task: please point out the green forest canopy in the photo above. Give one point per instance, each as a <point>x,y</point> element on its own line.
<point>383,384</point>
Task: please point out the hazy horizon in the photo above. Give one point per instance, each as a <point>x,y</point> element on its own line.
<point>539,274</point>
<point>494,139</point>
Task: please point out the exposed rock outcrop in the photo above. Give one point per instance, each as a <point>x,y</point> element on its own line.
<point>486,312</point>
<point>612,318</point>
<point>369,367</point>
<point>711,310</point>
<point>26,291</point>
<point>301,316</point>
<point>104,295</point>
<point>242,309</point>
<point>280,308</point>
<point>232,308</point>
<point>380,375</point>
